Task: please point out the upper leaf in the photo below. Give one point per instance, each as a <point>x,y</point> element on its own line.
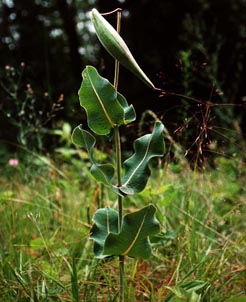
<point>136,167</point>
<point>100,100</point>
<point>133,239</point>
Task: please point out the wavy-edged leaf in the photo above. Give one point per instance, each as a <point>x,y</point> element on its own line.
<point>100,100</point>
<point>102,172</point>
<point>105,221</point>
<point>133,239</point>
<point>130,114</point>
<point>136,167</point>
<point>84,139</point>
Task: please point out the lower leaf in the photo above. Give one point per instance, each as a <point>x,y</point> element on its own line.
<point>132,239</point>
<point>105,221</point>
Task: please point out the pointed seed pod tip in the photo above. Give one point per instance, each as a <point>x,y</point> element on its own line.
<point>115,45</point>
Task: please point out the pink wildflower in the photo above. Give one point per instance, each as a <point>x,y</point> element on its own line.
<point>13,162</point>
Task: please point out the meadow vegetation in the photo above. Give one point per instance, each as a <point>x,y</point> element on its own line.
<point>46,255</point>
<point>48,197</point>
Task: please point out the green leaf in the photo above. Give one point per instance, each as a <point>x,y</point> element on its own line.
<point>99,98</point>
<point>130,114</point>
<point>133,238</point>
<point>237,299</point>
<point>181,295</point>
<point>187,291</point>
<point>37,244</point>
<point>194,285</point>
<point>101,172</point>
<point>105,221</point>
<point>136,167</point>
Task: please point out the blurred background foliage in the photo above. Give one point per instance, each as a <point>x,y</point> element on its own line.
<point>194,48</point>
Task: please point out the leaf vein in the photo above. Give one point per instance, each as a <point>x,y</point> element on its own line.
<point>101,104</point>
<point>136,237</point>
<point>139,165</point>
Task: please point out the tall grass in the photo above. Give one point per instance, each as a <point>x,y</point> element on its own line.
<point>45,254</point>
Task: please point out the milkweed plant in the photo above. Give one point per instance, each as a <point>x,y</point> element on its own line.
<point>116,233</point>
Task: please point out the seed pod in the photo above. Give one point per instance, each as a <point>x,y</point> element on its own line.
<point>116,46</point>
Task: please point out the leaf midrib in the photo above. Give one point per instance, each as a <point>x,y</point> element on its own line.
<point>101,103</point>
<point>136,237</point>
<point>139,165</point>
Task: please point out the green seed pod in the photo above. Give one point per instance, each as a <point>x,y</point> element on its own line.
<point>116,46</point>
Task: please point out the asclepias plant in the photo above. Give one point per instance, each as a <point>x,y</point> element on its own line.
<point>115,233</point>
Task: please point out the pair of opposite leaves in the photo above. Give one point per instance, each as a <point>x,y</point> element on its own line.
<point>106,109</point>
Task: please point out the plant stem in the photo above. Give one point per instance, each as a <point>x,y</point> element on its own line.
<point>117,64</point>
<point>122,264</point>
<point>118,168</point>
<point>120,215</point>
<point>120,208</point>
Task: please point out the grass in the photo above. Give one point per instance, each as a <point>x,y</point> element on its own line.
<point>45,255</point>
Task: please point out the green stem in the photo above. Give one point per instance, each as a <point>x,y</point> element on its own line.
<point>117,64</point>
<point>120,208</point>
<point>122,265</point>
<point>118,168</point>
